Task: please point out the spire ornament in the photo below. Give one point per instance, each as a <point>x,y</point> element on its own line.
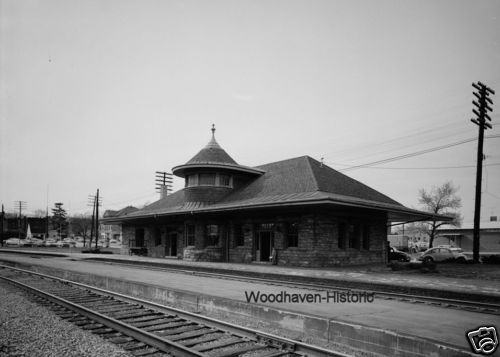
<point>213,143</point>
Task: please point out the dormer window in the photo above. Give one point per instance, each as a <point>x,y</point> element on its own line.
<point>209,179</point>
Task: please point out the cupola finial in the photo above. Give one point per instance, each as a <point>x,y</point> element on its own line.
<point>213,129</point>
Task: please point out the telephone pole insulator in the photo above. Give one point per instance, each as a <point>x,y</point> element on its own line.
<point>481,120</point>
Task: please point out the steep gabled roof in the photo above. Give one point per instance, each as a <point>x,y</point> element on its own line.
<point>299,181</point>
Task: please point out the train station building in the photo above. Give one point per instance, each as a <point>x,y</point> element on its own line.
<point>296,212</point>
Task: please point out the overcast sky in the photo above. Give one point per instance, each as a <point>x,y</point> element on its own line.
<point>101,94</point>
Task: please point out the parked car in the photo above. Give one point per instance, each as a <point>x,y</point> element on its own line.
<point>443,254</point>
<point>33,242</point>
<point>66,242</point>
<point>51,242</point>
<point>398,255</point>
<point>14,242</point>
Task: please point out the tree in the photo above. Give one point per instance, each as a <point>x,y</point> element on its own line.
<point>59,221</point>
<point>442,200</point>
<point>80,225</point>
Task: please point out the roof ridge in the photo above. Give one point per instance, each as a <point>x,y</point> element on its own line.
<point>308,159</point>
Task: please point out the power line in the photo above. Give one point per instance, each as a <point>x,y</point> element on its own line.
<point>417,153</point>
<point>428,168</point>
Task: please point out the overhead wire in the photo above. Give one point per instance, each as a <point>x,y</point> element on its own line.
<point>416,153</point>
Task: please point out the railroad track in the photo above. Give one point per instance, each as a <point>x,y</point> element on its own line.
<point>459,304</point>
<point>147,329</point>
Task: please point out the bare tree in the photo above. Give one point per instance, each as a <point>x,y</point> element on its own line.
<point>442,200</point>
<point>80,224</point>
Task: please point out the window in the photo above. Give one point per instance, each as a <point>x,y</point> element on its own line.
<point>207,180</point>
<point>239,235</point>
<point>212,234</point>
<point>225,180</point>
<point>190,230</point>
<point>139,237</point>
<point>353,233</point>
<point>342,235</point>
<point>292,234</point>
<point>157,236</point>
<point>191,180</point>
<point>366,237</point>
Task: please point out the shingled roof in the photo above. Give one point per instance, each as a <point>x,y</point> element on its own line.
<point>212,153</point>
<point>213,156</point>
<point>293,182</point>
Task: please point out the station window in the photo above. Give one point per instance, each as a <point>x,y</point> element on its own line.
<point>353,232</point>
<point>139,237</point>
<point>225,180</point>
<point>239,235</point>
<point>341,235</point>
<point>292,234</point>
<point>157,236</point>
<point>190,234</point>
<point>207,180</point>
<point>366,237</point>
<point>212,234</point>
<point>191,180</point>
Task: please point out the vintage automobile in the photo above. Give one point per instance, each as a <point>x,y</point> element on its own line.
<point>443,254</point>
<point>398,255</point>
<point>14,242</point>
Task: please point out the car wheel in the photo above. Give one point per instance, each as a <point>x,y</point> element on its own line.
<point>461,260</point>
<point>428,260</point>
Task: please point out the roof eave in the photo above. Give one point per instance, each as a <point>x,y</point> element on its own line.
<point>395,214</point>
<point>181,169</point>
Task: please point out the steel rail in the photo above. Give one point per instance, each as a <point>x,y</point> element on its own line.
<point>283,343</point>
<point>128,330</point>
<point>381,293</point>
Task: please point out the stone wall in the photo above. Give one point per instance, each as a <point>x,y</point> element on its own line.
<point>317,242</point>
<point>128,235</point>
<point>318,235</point>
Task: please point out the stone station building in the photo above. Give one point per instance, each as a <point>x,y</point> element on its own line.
<point>296,212</point>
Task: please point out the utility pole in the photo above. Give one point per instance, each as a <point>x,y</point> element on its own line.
<point>97,219</point>
<point>2,215</point>
<point>163,183</point>
<point>95,201</point>
<point>92,223</point>
<point>482,95</point>
<point>21,205</point>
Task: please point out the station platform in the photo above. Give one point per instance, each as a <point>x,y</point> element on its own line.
<point>482,282</point>
<point>435,324</point>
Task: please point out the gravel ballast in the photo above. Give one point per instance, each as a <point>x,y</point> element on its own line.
<point>28,329</point>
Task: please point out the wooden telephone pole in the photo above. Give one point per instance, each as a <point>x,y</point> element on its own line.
<point>482,105</point>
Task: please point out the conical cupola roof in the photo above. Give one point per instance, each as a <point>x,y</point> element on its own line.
<point>213,156</point>
<point>212,153</point>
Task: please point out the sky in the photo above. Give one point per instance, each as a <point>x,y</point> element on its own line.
<point>100,94</point>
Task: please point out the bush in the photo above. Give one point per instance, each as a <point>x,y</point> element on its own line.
<point>491,259</point>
